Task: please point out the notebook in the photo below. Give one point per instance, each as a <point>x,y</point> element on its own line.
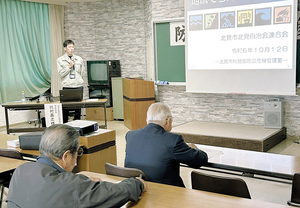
<point>70,95</point>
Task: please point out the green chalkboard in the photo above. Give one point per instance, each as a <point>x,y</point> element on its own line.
<point>170,60</point>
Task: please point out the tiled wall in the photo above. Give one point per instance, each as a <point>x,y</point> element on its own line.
<point>109,30</point>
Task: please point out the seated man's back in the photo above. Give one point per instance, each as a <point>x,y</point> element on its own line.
<point>158,153</point>
<point>49,182</point>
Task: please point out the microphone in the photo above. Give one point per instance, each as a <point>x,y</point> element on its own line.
<point>73,59</point>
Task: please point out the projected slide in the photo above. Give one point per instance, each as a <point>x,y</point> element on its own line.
<point>240,34</point>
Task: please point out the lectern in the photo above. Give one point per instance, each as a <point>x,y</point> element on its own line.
<point>138,95</point>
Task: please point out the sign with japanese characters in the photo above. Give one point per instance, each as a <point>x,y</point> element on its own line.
<point>177,33</point>
<point>53,114</point>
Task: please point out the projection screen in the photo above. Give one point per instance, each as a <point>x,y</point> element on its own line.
<point>241,46</point>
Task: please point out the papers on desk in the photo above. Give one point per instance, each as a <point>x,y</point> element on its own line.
<point>13,143</point>
<point>211,152</point>
<point>92,100</point>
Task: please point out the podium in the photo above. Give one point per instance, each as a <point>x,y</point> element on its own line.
<point>138,95</point>
<point>100,148</point>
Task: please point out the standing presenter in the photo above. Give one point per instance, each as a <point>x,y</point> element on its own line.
<point>70,70</point>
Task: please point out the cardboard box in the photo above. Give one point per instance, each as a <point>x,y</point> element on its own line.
<point>98,114</point>
<point>100,149</point>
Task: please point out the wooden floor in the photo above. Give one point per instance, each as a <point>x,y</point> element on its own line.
<point>238,136</point>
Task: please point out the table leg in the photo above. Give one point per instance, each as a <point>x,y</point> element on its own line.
<point>6,119</point>
<point>105,116</point>
<point>39,117</point>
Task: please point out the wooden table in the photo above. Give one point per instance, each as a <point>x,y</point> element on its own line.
<point>252,162</point>
<point>14,106</point>
<point>9,164</point>
<point>160,195</point>
<point>7,167</point>
<point>99,148</point>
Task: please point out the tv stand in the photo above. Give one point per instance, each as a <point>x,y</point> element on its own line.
<point>101,92</point>
<point>100,87</point>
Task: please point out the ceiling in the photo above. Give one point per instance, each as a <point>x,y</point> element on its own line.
<point>60,2</point>
<point>63,2</point>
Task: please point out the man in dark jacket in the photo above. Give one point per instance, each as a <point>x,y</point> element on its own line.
<point>157,152</point>
<point>49,182</point>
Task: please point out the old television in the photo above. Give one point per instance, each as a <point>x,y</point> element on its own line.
<point>100,71</point>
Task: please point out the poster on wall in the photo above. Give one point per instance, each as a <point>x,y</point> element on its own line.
<point>177,33</point>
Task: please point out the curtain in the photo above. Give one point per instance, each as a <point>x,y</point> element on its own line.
<point>56,15</point>
<point>25,58</point>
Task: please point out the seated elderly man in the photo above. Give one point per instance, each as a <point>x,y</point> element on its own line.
<point>49,182</point>
<point>157,152</point>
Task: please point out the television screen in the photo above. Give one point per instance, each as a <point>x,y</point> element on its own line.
<point>98,71</point>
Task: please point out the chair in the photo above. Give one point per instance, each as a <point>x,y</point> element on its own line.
<point>295,198</point>
<point>124,172</point>
<point>219,184</point>
<point>11,153</point>
<point>5,182</point>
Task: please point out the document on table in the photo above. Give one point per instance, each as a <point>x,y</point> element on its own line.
<point>92,100</point>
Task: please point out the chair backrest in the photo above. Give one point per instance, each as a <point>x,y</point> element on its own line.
<point>295,198</point>
<point>219,184</point>
<point>11,153</point>
<point>123,172</point>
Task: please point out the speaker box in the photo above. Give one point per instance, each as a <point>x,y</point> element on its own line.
<point>273,114</point>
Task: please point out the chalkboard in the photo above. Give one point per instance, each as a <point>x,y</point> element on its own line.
<point>170,60</point>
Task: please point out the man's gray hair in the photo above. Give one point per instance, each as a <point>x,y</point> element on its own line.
<point>57,139</point>
<point>158,113</point>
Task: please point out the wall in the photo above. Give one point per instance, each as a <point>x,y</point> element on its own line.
<point>227,108</point>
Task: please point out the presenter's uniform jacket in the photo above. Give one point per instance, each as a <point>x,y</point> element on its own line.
<point>44,184</point>
<point>159,153</point>
<point>72,78</point>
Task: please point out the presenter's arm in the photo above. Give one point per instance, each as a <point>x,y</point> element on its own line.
<point>63,68</point>
<point>79,66</point>
<point>193,157</point>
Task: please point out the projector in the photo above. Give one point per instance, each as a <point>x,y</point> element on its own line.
<point>83,126</point>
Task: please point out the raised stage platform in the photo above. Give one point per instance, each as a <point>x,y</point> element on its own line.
<point>238,136</point>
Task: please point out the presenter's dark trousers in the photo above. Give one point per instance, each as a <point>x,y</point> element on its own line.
<point>66,112</point>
